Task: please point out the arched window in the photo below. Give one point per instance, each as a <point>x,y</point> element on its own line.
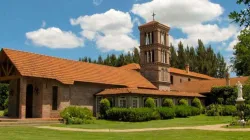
<point>162,74</point>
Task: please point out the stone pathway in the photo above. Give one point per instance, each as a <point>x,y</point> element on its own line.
<point>217,127</point>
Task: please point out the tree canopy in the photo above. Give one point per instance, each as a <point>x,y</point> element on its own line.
<point>243,16</point>
<point>241,59</point>
<point>201,59</point>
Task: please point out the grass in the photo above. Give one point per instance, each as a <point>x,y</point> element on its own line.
<point>191,121</point>
<point>1,113</point>
<point>31,133</point>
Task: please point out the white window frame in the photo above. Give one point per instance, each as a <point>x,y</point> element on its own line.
<point>135,99</point>
<point>119,102</point>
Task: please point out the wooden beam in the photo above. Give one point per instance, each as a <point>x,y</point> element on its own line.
<point>7,78</point>
<point>11,67</point>
<point>5,73</point>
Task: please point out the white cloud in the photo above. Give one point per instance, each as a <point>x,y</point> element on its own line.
<point>233,42</point>
<point>54,38</point>
<point>189,16</point>
<point>97,2</point>
<point>207,33</point>
<point>103,27</point>
<point>179,12</point>
<point>43,24</point>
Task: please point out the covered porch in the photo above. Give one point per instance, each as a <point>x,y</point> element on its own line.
<point>135,98</point>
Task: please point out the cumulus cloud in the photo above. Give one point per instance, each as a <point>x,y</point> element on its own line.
<point>233,42</point>
<point>190,17</point>
<point>103,27</point>
<point>179,12</point>
<point>97,2</point>
<point>54,38</point>
<point>207,33</point>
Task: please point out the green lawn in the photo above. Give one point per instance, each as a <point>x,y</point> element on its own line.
<point>1,113</point>
<point>191,121</point>
<point>30,133</point>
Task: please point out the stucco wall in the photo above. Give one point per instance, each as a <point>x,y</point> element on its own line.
<point>178,78</point>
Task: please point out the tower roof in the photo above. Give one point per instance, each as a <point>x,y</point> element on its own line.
<point>156,23</point>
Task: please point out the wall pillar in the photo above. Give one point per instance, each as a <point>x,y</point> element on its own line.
<point>22,103</point>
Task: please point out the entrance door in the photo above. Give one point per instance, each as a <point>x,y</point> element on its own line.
<point>29,101</point>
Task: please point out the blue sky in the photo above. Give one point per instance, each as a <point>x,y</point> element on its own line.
<point>77,28</point>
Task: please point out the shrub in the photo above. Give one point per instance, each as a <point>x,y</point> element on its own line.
<point>197,103</point>
<point>76,115</point>
<point>104,106</point>
<point>150,103</point>
<point>6,112</point>
<point>4,94</point>
<point>131,114</point>
<point>166,112</point>
<point>228,110</point>
<point>168,102</point>
<point>195,111</point>
<point>182,111</point>
<point>214,110</point>
<point>183,102</point>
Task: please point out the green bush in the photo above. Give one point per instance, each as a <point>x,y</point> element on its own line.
<point>195,111</point>
<point>182,111</point>
<point>76,115</point>
<point>131,114</point>
<point>4,94</point>
<point>5,112</point>
<point>197,103</point>
<point>104,106</point>
<point>183,102</point>
<point>214,110</point>
<point>168,103</point>
<point>150,103</point>
<point>228,110</point>
<point>166,112</point>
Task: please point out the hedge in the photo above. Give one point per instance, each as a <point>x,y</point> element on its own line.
<point>130,114</point>
<point>166,112</point>
<point>77,115</point>
<point>221,110</point>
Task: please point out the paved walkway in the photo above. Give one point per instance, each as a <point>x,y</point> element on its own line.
<point>217,127</point>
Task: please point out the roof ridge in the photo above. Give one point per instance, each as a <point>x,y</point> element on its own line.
<point>60,58</point>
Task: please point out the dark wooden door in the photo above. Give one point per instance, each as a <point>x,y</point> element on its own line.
<point>29,101</point>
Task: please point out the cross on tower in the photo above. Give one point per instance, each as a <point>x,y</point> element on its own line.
<point>153,15</point>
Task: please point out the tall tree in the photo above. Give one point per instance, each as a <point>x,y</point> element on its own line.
<point>173,58</point>
<point>136,55</point>
<point>241,59</point>
<point>100,61</point>
<point>181,58</point>
<point>113,61</point>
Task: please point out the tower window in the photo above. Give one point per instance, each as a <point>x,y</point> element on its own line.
<point>189,79</point>
<point>180,80</point>
<point>163,36</point>
<point>149,38</point>
<point>153,56</point>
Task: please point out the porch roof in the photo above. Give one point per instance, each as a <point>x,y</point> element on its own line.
<point>117,91</point>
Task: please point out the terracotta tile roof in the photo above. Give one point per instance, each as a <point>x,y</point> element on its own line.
<point>153,23</point>
<point>69,71</point>
<point>204,86</point>
<point>193,74</point>
<point>134,66</point>
<point>147,92</point>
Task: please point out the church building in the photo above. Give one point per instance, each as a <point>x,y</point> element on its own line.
<point>41,86</point>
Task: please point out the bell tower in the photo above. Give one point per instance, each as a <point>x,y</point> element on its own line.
<point>155,53</point>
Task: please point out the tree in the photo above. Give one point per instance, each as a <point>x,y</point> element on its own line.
<point>242,17</point>
<point>100,61</point>
<point>173,58</point>
<point>181,58</point>
<point>241,59</point>
<point>136,56</point>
